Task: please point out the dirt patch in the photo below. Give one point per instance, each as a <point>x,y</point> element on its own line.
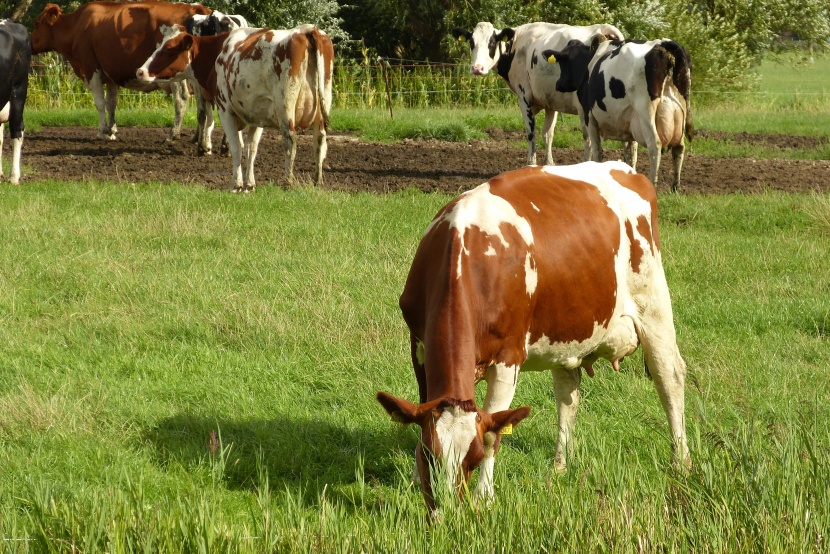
<point>143,154</point>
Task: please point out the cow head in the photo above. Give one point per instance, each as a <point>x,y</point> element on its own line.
<point>486,45</point>
<point>452,437</point>
<point>41,37</point>
<point>171,59</point>
<point>573,61</point>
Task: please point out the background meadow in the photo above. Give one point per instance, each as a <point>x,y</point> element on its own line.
<point>187,370</point>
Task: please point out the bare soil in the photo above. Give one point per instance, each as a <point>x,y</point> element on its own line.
<point>143,154</point>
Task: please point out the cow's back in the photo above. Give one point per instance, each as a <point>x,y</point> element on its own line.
<point>266,76</point>
<point>552,256</point>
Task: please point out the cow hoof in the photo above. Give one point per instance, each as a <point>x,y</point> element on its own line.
<point>105,136</point>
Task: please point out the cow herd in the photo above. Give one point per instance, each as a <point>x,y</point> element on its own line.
<point>541,268</point>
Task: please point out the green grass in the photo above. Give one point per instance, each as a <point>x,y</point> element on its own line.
<point>188,370</point>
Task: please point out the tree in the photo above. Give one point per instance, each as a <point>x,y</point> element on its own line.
<point>14,9</point>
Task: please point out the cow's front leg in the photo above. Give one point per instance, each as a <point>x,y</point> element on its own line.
<point>112,104</point>
<point>630,153</point>
<point>180,95</point>
<point>96,86</point>
<point>530,126</point>
<point>594,140</point>
<point>566,390</point>
<point>501,386</point>
<point>254,135</point>
<point>678,153</point>
<point>547,133</point>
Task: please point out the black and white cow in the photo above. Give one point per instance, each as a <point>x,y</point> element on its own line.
<point>15,59</point>
<point>516,55</point>
<point>631,90</point>
<point>212,24</point>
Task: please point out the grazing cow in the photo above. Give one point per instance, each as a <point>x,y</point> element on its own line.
<point>257,78</point>
<point>515,53</point>
<point>105,42</point>
<point>541,268</point>
<point>15,59</point>
<point>632,90</point>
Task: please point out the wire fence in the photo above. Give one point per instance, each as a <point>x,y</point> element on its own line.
<point>358,84</point>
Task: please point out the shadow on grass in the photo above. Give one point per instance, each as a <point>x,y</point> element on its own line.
<point>298,455</point>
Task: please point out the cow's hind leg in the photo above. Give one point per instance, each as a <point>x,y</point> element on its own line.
<point>2,124</point>
<point>289,144</point>
<point>254,135</point>
<point>678,153</point>
<point>320,150</point>
<point>231,128</point>
<point>566,389</point>
<point>180,95</point>
<point>530,128</point>
<point>501,386</point>
<point>547,133</point>
<point>112,104</point>
<point>96,86</point>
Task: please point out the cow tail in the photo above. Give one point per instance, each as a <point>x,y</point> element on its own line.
<point>682,79</point>
<point>320,81</point>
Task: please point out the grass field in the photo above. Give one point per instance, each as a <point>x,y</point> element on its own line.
<point>183,370</point>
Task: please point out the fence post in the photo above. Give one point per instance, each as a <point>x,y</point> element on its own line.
<point>385,75</point>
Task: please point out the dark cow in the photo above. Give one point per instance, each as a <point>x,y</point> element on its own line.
<point>631,91</point>
<point>257,78</point>
<point>516,54</point>
<point>542,268</point>
<point>105,42</point>
<point>15,59</point>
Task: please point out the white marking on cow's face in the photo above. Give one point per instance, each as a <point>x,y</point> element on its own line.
<point>487,212</point>
<point>484,55</point>
<point>168,32</point>
<point>456,430</point>
<point>531,277</point>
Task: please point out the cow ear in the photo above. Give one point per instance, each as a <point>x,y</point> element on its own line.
<point>402,411</point>
<point>461,34</point>
<point>187,42</point>
<point>552,56</point>
<point>51,12</point>
<point>596,40</point>
<point>506,34</point>
<point>500,420</point>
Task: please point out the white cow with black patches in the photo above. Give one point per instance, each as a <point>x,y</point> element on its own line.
<point>516,54</point>
<point>630,91</point>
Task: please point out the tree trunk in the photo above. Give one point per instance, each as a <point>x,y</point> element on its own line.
<point>18,9</point>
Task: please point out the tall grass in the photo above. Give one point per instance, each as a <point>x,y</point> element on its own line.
<point>187,370</point>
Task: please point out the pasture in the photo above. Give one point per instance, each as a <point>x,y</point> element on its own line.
<point>187,370</point>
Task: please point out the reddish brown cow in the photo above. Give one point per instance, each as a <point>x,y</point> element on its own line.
<point>543,268</point>
<point>105,42</point>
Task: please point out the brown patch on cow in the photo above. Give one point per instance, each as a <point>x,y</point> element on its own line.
<point>645,189</point>
<point>636,249</point>
<point>464,405</point>
<point>644,229</point>
<point>298,53</point>
<point>249,46</point>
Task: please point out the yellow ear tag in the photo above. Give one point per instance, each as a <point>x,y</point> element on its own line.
<point>551,59</point>
<point>462,38</point>
<point>507,429</point>
<point>505,39</point>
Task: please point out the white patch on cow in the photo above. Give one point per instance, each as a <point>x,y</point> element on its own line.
<point>487,212</point>
<point>456,430</point>
<point>535,207</point>
<point>531,277</point>
<point>4,113</point>
<point>490,250</point>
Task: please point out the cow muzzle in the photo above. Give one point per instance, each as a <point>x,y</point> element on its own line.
<point>478,69</point>
<point>143,75</point>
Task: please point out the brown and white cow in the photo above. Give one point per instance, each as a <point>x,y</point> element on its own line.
<point>516,54</point>
<point>257,78</point>
<point>105,42</point>
<point>542,268</point>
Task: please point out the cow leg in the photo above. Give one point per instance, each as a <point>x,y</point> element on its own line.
<point>678,153</point>
<point>205,124</point>
<point>530,127</point>
<point>96,86</point>
<point>594,140</point>
<point>254,135</point>
<point>2,124</point>
<point>16,105</point>
<point>180,94</point>
<point>112,104</point>
<point>566,389</point>
<point>547,133</point>
<point>320,150</point>
<point>501,386</point>
<point>630,153</point>
<point>290,146</point>
<point>231,127</point>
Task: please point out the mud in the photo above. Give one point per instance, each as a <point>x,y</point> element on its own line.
<point>144,154</point>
